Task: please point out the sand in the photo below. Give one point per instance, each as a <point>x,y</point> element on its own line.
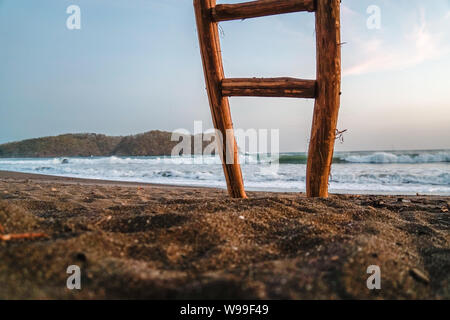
<point>140,241</point>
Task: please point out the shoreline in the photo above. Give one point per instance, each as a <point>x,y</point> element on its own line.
<point>54,178</point>
<point>51,178</point>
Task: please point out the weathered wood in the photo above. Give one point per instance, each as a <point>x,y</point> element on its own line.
<point>269,87</point>
<point>326,109</point>
<point>261,8</point>
<point>212,65</point>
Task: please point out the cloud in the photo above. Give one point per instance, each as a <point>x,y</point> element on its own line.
<point>411,49</point>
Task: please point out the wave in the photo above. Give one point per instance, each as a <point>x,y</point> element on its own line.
<point>303,159</point>
<point>411,157</point>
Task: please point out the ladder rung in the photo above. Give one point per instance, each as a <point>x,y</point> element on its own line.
<point>261,8</point>
<point>269,87</point>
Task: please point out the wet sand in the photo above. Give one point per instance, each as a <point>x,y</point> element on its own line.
<point>142,241</point>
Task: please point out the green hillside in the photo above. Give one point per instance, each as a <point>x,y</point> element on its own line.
<point>153,143</point>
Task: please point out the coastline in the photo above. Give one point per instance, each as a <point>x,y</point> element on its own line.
<point>112,182</point>
<point>146,241</point>
<point>85,181</point>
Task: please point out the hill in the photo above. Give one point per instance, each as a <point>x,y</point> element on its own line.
<point>152,143</point>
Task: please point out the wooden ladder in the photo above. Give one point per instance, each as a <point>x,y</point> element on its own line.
<point>325,90</point>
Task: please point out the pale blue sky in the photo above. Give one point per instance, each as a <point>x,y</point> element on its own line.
<point>135,66</point>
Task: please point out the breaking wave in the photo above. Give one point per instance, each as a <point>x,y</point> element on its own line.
<point>376,157</point>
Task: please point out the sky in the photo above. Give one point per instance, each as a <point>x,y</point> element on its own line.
<point>135,66</point>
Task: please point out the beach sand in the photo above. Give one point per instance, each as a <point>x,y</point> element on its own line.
<point>138,241</point>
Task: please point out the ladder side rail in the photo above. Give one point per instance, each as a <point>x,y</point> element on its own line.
<point>326,109</point>
<point>220,109</point>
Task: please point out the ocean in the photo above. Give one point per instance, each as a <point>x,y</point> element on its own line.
<point>399,172</point>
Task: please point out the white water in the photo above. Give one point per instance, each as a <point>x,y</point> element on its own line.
<point>391,157</point>
<point>425,172</point>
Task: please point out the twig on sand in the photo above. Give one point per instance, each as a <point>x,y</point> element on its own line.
<point>19,236</point>
<point>9,237</point>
